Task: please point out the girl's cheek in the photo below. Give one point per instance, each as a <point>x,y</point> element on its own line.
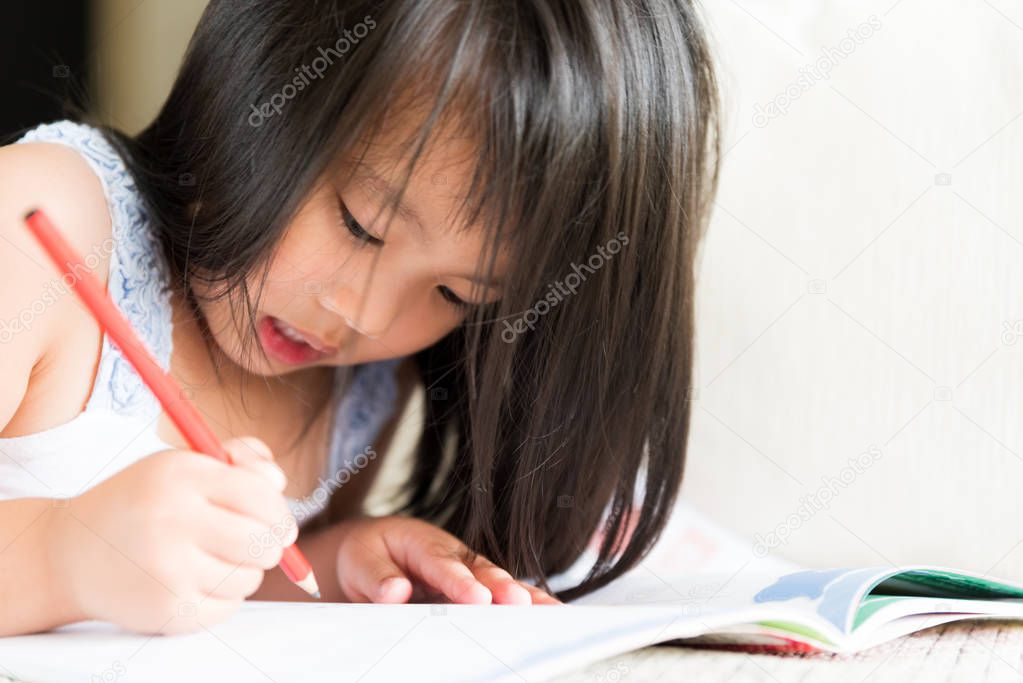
<point>420,329</point>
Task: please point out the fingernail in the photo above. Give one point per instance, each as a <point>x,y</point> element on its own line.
<point>519,595</point>
<point>386,587</point>
<point>480,594</point>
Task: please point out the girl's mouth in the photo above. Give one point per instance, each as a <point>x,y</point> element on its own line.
<point>286,344</point>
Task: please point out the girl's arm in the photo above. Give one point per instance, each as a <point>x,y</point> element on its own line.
<point>33,596</point>
<point>31,599</point>
<point>34,310</point>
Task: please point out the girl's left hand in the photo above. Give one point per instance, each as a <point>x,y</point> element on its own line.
<point>397,559</point>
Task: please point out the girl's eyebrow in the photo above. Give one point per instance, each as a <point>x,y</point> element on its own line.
<point>386,192</point>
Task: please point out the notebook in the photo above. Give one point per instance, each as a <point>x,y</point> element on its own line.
<point>830,610</point>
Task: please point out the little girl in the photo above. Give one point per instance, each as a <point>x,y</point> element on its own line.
<point>340,204</point>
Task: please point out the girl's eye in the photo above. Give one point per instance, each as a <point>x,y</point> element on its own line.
<point>359,233</point>
<point>454,299</point>
<point>352,225</point>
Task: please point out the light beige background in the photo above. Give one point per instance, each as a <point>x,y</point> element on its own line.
<point>862,282</point>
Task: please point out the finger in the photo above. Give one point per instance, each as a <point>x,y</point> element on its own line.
<point>250,453</point>
<point>244,492</point>
<point>539,596</point>
<point>366,573</point>
<point>505,589</point>
<point>441,567</point>
<point>237,539</point>
<point>219,580</point>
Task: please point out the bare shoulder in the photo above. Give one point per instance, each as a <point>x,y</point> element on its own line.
<point>35,311</point>
<point>58,179</point>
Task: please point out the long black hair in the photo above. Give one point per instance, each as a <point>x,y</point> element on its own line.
<point>561,410</point>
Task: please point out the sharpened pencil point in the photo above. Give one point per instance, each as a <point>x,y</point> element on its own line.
<point>30,214</point>
<point>309,585</point>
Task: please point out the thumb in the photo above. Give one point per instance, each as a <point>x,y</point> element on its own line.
<point>254,455</point>
<point>367,573</point>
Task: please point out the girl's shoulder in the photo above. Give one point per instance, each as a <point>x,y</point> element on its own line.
<point>57,178</point>
<point>34,318</point>
<point>44,173</point>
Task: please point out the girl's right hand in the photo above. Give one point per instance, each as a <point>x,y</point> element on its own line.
<point>165,545</point>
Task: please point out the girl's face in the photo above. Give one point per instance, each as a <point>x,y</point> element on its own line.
<point>340,292</point>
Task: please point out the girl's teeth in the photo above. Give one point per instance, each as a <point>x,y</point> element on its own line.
<point>290,333</point>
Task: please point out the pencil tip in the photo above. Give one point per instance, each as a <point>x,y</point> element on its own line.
<point>309,585</point>
<point>30,214</point>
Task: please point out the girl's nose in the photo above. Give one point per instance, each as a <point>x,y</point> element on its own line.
<point>371,318</point>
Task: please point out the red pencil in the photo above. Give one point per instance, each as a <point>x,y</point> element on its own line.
<point>185,416</point>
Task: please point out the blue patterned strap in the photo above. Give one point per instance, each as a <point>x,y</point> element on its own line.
<point>364,410</point>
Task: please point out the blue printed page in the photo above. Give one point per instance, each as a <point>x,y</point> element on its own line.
<point>832,595</point>
<point>837,596</point>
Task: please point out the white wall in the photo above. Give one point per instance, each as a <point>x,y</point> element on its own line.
<point>850,298</point>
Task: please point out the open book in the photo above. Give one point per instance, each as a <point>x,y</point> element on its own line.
<point>832,610</point>
<point>839,610</point>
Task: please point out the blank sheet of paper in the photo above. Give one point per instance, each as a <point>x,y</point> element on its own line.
<point>287,642</point>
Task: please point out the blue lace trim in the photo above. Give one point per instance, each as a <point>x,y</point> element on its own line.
<point>365,407</point>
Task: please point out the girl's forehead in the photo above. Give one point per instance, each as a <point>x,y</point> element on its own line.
<point>447,151</point>
<point>451,137</point>
<point>441,177</point>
